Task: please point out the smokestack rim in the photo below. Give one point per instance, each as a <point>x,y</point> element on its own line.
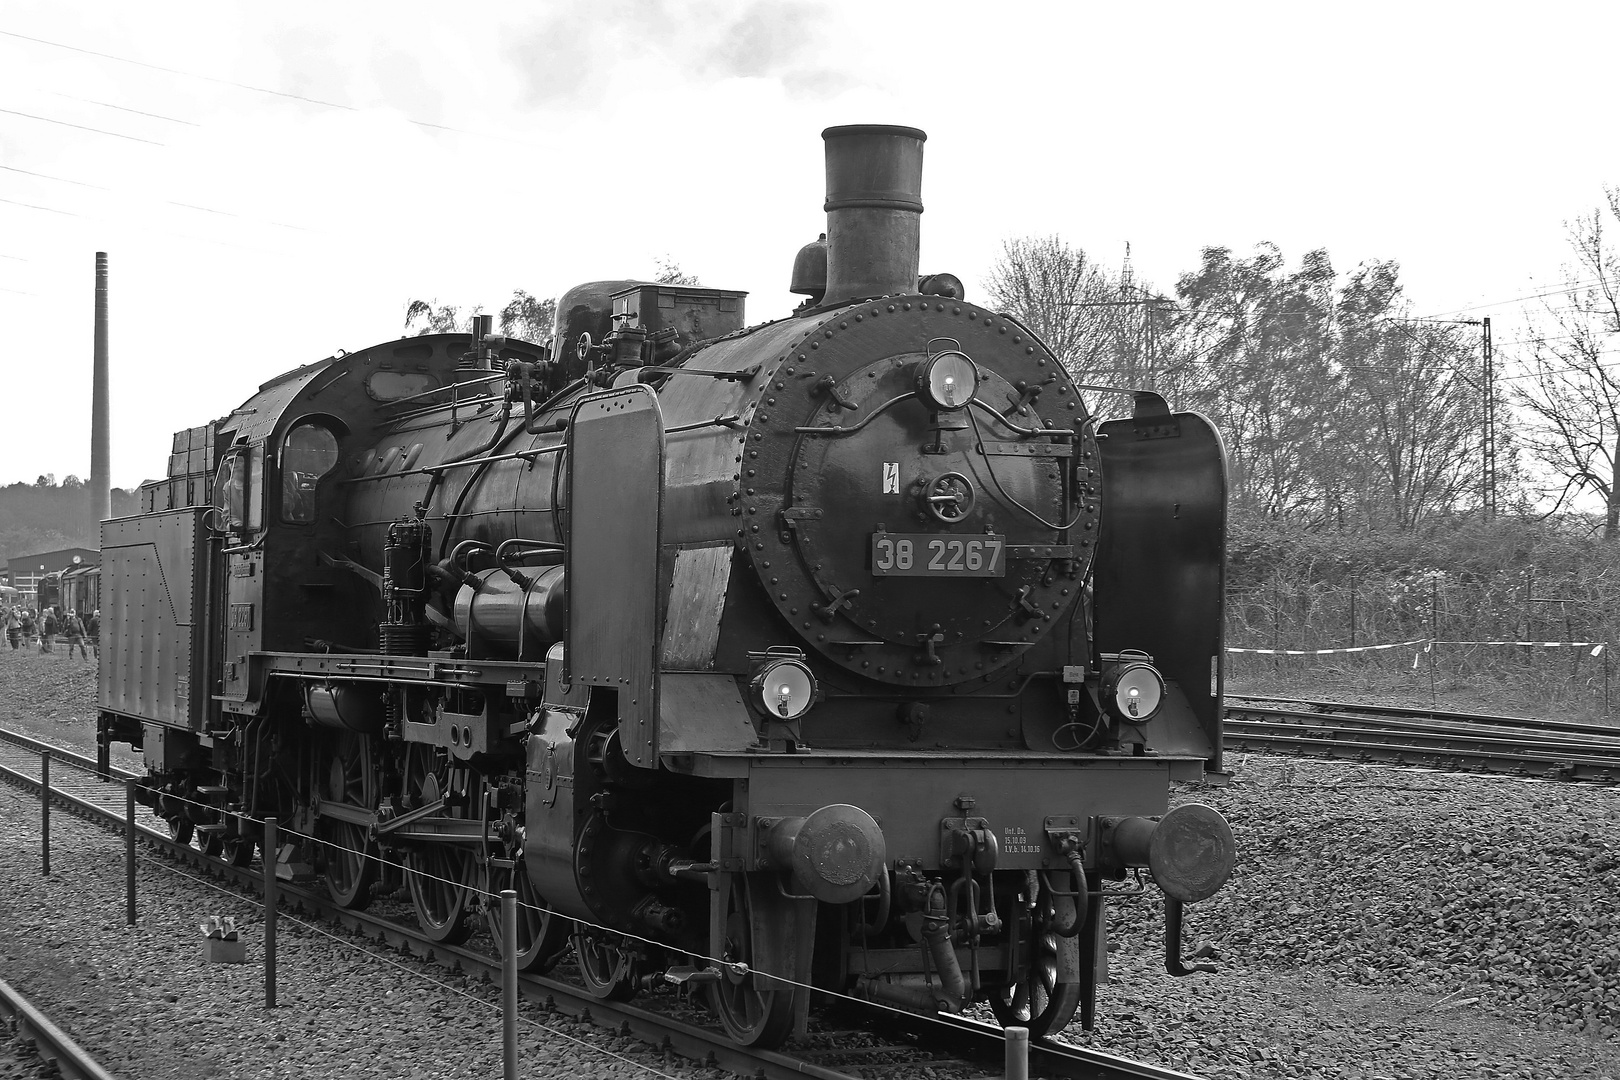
<point>874,129</point>
<point>895,171</point>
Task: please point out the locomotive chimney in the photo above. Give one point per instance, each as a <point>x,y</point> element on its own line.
<point>874,209</point>
<point>100,437</point>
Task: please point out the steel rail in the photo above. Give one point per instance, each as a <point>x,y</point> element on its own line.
<point>1364,745</point>
<point>1419,712</point>
<point>1048,1057</point>
<point>691,1041</point>
<point>1443,733</point>
<point>53,1044</point>
<point>67,757</point>
<point>708,1046</point>
<point>1523,735</point>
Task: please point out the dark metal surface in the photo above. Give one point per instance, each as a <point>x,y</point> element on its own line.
<point>615,515</point>
<point>1161,559</point>
<point>866,469</point>
<point>155,569</point>
<point>874,203</point>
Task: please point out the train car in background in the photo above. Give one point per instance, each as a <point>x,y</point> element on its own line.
<point>79,589</point>
<point>48,591</point>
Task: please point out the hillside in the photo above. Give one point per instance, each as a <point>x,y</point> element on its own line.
<point>45,516</point>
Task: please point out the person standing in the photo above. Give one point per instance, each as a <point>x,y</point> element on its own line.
<point>92,629</point>
<point>73,633</point>
<point>28,626</point>
<point>13,623</point>
<point>47,630</point>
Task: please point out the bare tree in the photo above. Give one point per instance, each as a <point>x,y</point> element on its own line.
<point>1070,302</point>
<point>670,273</point>
<point>1572,397</point>
<point>1410,415</point>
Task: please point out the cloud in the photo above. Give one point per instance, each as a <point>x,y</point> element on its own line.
<point>576,52</point>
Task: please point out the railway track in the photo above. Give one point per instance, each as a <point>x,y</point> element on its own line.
<point>875,1042</point>
<point>70,1060</point>
<point>1453,741</point>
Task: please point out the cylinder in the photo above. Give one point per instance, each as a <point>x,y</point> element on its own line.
<point>874,210</point>
<point>836,854</point>
<point>346,708</point>
<point>405,557</point>
<point>1190,850</point>
<point>509,984</point>
<point>45,812</point>
<point>518,619</point>
<point>1016,1061</point>
<point>271,845</point>
<point>129,851</point>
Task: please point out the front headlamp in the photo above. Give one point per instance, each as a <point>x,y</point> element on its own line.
<point>946,381</point>
<point>784,689</point>
<point>1133,690</point>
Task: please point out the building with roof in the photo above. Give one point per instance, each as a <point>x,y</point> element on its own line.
<point>26,570</point>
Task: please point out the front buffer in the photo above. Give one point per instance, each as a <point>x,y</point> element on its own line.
<point>978,895</point>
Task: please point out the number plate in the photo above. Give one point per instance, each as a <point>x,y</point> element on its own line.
<point>937,555</point>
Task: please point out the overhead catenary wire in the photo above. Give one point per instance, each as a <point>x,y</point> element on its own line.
<point>46,209</point>
<point>81,127</point>
<point>170,202</point>
<point>257,89</point>
<point>124,108</point>
<point>58,179</point>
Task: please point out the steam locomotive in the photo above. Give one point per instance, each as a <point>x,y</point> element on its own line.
<point>850,651</point>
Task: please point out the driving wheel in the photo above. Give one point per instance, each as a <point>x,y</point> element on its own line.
<point>1035,999</point>
<point>606,966</point>
<point>542,936</point>
<point>440,875</point>
<point>754,1009</point>
<point>349,854</point>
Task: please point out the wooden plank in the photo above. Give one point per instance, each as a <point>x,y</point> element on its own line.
<point>697,594</point>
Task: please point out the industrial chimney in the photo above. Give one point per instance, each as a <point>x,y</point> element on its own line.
<point>100,424</point>
<point>874,210</point>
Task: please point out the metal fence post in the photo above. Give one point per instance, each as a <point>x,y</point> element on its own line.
<point>1352,611</point>
<point>129,851</point>
<point>1017,1062</point>
<point>270,913</point>
<point>1434,634</point>
<point>45,812</point>
<point>509,998</point>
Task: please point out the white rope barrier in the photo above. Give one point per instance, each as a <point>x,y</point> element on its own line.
<point>1330,652</point>
<point>1597,647</point>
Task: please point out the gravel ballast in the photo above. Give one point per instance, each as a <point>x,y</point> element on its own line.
<point>1381,923</point>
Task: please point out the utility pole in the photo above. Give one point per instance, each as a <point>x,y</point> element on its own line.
<point>100,425</point>
<point>1130,343</point>
<point>1487,390</point>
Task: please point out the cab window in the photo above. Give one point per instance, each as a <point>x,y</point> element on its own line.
<point>230,490</point>
<point>309,452</point>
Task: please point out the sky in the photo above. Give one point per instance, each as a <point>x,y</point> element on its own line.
<point>274,182</point>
